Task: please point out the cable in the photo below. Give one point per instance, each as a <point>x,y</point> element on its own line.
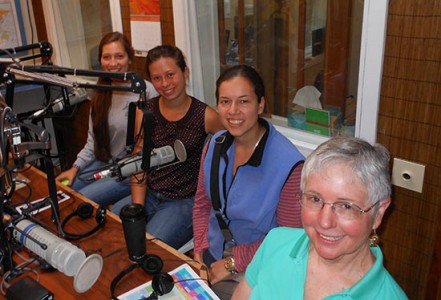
<point>29,195</point>
<point>10,55</point>
<point>16,272</point>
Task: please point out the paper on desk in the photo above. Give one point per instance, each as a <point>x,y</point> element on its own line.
<point>61,197</point>
<point>188,285</point>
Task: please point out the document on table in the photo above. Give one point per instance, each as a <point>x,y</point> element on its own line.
<point>188,285</point>
<point>61,197</point>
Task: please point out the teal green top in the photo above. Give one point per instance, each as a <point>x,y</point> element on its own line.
<point>278,271</point>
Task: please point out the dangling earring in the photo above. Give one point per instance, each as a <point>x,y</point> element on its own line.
<point>374,239</point>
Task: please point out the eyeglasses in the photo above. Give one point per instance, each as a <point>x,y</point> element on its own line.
<point>343,209</point>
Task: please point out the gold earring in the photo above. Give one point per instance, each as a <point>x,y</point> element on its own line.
<point>374,239</point>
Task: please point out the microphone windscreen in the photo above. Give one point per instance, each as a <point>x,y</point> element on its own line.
<point>133,217</point>
<point>88,273</point>
<point>180,151</point>
<point>60,254</point>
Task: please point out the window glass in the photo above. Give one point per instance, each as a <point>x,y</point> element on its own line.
<point>308,53</point>
<point>76,29</point>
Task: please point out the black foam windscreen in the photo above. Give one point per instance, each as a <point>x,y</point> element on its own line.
<point>133,217</point>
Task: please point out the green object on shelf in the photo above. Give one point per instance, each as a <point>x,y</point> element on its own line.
<point>318,121</point>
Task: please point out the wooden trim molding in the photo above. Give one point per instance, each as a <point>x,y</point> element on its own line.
<point>39,20</point>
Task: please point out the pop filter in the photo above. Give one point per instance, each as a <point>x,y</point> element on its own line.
<point>180,151</point>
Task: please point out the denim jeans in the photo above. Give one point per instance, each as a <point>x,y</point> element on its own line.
<point>105,191</point>
<point>169,220</point>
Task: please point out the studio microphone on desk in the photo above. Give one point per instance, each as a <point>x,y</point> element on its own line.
<point>133,217</point>
<point>60,254</point>
<point>74,96</point>
<point>132,165</point>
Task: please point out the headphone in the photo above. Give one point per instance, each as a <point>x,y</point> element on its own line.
<point>84,211</point>
<point>162,283</point>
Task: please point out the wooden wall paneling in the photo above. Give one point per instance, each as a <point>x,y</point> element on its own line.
<point>435,269</point>
<point>223,42</point>
<point>138,65</point>
<point>125,17</point>
<point>167,29</point>
<point>241,32</point>
<point>300,82</point>
<point>281,50</point>
<point>410,127</point>
<point>39,20</point>
<point>337,53</point>
<point>265,54</point>
<point>167,22</point>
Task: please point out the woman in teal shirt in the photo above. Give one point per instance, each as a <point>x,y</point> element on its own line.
<point>345,192</point>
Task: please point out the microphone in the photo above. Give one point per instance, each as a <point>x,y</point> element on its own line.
<point>60,254</point>
<point>158,157</point>
<point>19,148</point>
<point>133,217</point>
<point>13,134</point>
<point>75,96</point>
<point>103,174</point>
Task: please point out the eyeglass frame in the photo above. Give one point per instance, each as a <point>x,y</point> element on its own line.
<point>353,205</point>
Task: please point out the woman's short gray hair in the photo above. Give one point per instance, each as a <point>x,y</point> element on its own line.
<point>370,163</point>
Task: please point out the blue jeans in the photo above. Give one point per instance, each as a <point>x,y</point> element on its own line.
<point>105,191</point>
<point>168,220</point>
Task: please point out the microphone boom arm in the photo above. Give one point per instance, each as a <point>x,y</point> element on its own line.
<point>137,86</point>
<point>44,46</point>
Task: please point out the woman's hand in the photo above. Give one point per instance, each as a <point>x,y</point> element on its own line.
<point>68,175</point>
<point>218,272</point>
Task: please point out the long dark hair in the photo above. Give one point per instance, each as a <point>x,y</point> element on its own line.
<point>103,100</point>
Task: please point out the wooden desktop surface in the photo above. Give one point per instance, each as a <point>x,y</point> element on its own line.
<point>108,242</point>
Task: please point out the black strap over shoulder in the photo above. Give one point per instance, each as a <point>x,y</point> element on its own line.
<point>220,146</point>
<point>214,176</point>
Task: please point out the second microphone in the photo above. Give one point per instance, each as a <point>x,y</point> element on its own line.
<point>132,165</point>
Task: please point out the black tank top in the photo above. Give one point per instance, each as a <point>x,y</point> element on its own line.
<point>178,181</point>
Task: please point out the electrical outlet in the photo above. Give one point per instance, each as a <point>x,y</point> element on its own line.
<point>408,175</point>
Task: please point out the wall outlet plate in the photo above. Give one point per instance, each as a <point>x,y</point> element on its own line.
<point>408,175</point>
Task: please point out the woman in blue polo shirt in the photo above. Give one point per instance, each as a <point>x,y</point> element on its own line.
<point>345,192</point>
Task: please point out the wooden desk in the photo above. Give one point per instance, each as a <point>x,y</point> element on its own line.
<point>108,242</point>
